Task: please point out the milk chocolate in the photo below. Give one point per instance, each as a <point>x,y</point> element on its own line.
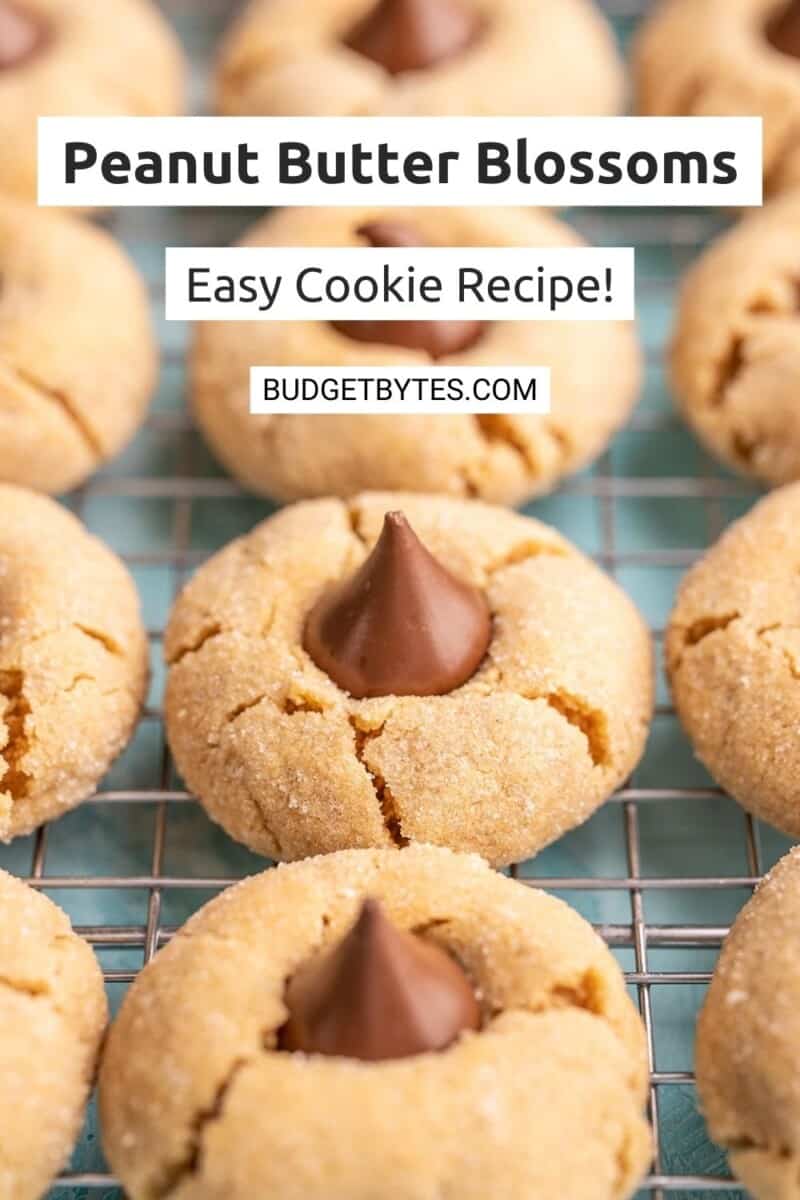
<point>403,625</point>
<point>783,29</point>
<point>412,35</point>
<point>435,338</point>
<point>380,994</point>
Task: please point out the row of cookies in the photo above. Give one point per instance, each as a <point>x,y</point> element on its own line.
<point>404,57</point>
<point>366,1023</point>
<point>344,672</point>
<point>411,1022</point>
<point>422,1020</point>
<point>71,338</point>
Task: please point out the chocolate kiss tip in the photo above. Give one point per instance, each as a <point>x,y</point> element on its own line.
<point>410,35</point>
<point>380,994</point>
<point>21,35</point>
<point>434,338</point>
<point>783,29</point>
<point>388,234</point>
<point>403,625</point>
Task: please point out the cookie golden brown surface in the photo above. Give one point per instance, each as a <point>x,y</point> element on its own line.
<point>735,355</point>
<point>545,1100</point>
<point>79,58</point>
<point>52,1016</point>
<point>73,660</point>
<point>702,58</point>
<point>733,656</point>
<point>554,57</point>
<point>553,720</point>
<point>747,1040</point>
<point>78,357</point>
<point>595,368</point>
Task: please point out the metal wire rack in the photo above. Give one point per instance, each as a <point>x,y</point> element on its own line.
<point>661,871</point>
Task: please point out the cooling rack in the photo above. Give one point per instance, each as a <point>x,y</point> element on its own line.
<point>661,870</point>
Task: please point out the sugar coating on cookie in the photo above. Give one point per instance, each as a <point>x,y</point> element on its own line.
<point>555,57</point>
<point>735,355</point>
<point>595,369</point>
<point>78,356</point>
<point>73,660</point>
<point>748,1036</point>
<point>554,719</point>
<point>78,58</point>
<point>733,657</point>
<point>53,1014</point>
<point>197,1101</point>
<point>700,58</point>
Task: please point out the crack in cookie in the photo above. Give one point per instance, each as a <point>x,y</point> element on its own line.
<point>23,987</point>
<point>703,627</point>
<point>306,704</point>
<point>791,662</point>
<point>173,1176</point>
<point>495,427</point>
<point>266,825</point>
<point>523,552</point>
<point>205,634</point>
<point>242,708</point>
<point>97,635</point>
<point>355,516</point>
<point>68,407</point>
<point>729,370</point>
<point>15,781</point>
<point>383,793</point>
<point>592,722</point>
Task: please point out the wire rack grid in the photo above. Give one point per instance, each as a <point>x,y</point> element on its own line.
<point>661,870</point>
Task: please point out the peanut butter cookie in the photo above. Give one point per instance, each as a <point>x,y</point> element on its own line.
<point>73,660</point>
<point>503,459</point>
<point>459,675</point>
<point>78,356</point>
<point>73,58</point>
<point>735,357</point>
<point>733,656</point>
<point>747,1039</point>
<point>420,58</point>
<point>544,1098</point>
<point>53,1014</point>
<point>700,58</point>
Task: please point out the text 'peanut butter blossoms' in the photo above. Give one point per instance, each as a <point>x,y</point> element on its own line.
<point>400,1090</point>
<point>461,676</point>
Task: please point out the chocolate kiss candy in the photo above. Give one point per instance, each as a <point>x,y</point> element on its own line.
<point>402,625</point>
<point>409,35</point>
<point>436,338</point>
<point>381,993</point>
<point>21,35</point>
<point>783,30</point>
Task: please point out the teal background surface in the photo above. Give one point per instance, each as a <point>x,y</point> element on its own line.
<point>661,870</point>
